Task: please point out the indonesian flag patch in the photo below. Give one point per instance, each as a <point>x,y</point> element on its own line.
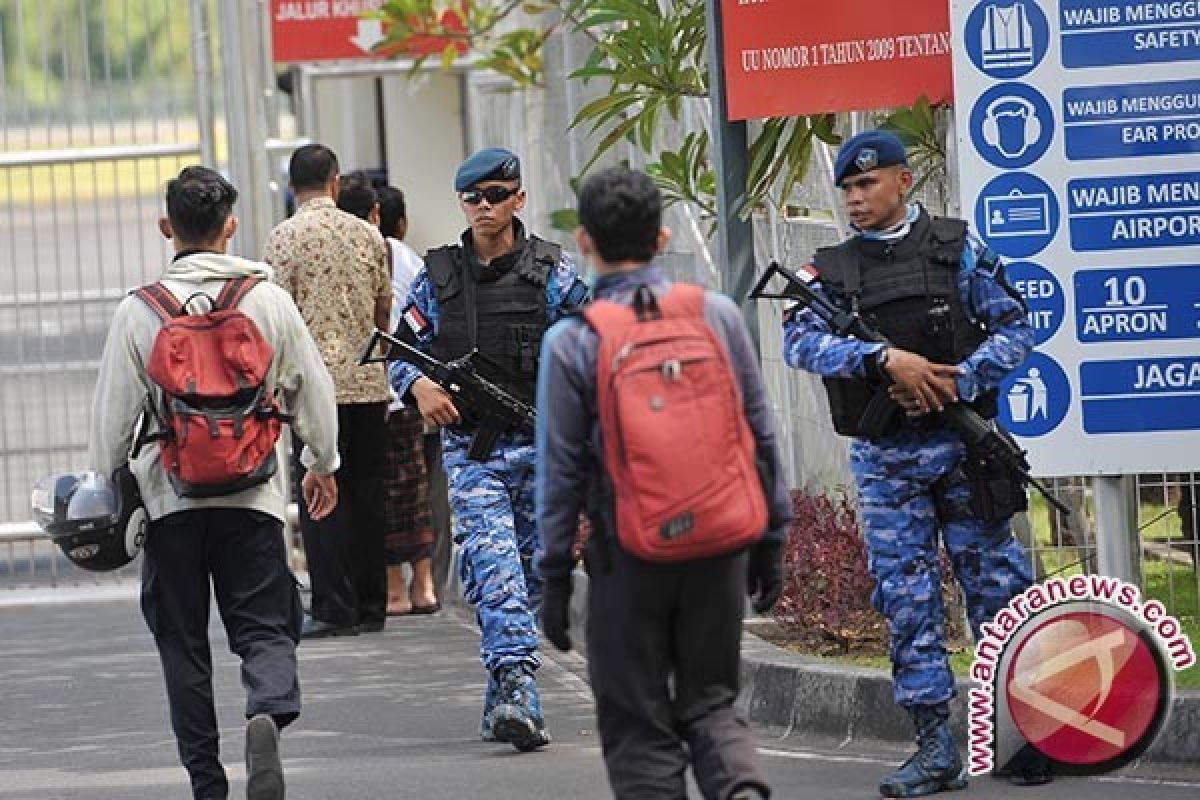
<point>807,273</point>
<point>416,321</point>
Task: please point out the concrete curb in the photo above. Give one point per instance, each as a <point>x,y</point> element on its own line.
<point>786,691</point>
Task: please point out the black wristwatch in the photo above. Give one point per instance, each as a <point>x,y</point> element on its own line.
<point>879,363</point>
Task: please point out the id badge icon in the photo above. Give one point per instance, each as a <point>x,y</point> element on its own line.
<point>1017,214</point>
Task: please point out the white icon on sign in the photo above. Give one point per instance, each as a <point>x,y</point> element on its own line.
<point>1007,36</point>
<point>1028,398</point>
<point>1017,214</point>
<point>1011,125</point>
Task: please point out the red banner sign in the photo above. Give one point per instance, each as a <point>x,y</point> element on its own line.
<point>793,57</point>
<point>323,30</point>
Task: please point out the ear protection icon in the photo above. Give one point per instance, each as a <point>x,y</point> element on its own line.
<point>1026,109</point>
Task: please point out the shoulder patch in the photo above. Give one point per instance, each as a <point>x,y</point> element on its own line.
<point>577,295</point>
<point>988,260</point>
<point>415,321</point>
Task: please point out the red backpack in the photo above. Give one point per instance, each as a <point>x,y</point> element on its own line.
<point>218,424</point>
<point>679,452</point>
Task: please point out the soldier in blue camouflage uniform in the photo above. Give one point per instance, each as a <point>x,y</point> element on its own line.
<point>955,330</point>
<point>497,291</point>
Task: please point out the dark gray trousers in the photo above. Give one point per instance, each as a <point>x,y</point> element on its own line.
<point>242,553</point>
<point>664,645</point>
<point>347,562</point>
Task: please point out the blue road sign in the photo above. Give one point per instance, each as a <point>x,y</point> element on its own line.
<point>1006,38</point>
<point>1104,33</point>
<point>1136,395</point>
<point>1043,297</point>
<point>1131,120</point>
<point>1137,304</point>
<point>1034,399</point>
<point>1017,213</point>
<point>1134,211</point>
<point>1012,125</point>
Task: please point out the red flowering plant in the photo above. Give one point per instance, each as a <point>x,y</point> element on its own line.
<point>826,603</point>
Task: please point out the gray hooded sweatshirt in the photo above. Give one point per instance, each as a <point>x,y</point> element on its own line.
<point>297,371</point>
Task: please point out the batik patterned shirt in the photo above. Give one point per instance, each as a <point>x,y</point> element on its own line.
<point>335,266</point>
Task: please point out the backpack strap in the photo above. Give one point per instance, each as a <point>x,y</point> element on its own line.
<point>682,300</point>
<point>161,301</point>
<point>233,291</point>
<point>605,316</point>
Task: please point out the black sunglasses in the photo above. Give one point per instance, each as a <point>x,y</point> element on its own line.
<point>495,195</point>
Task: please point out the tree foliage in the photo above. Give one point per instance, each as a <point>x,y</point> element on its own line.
<point>53,48</point>
<point>651,58</point>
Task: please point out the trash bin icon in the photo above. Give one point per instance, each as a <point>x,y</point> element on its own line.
<point>1018,402</point>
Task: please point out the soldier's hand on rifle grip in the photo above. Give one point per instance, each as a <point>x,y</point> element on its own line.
<point>434,403</point>
<point>926,386</point>
<point>906,400</point>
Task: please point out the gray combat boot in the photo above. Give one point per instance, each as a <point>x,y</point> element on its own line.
<point>936,766</point>
<point>517,718</point>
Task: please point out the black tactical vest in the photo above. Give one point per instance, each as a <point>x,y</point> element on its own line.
<point>908,291</point>
<point>507,312</point>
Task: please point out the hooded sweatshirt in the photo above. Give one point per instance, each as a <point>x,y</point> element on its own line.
<point>304,386</point>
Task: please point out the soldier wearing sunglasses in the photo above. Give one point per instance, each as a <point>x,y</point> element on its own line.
<point>496,291</point>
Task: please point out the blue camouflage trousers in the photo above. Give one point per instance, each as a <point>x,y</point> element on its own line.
<point>498,542</point>
<point>895,480</point>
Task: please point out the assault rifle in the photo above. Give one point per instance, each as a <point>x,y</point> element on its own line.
<point>495,409</point>
<point>981,436</point>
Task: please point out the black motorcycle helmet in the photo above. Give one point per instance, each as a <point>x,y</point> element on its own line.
<point>98,522</point>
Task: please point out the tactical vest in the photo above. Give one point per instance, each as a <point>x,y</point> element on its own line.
<point>908,291</point>
<point>504,318</point>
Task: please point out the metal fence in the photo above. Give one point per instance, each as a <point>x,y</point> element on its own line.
<point>1166,549</point>
<point>97,110</point>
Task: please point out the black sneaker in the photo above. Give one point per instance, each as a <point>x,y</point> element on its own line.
<point>264,770</point>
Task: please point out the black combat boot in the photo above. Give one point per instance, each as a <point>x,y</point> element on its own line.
<point>1027,768</point>
<point>936,766</point>
<point>517,718</point>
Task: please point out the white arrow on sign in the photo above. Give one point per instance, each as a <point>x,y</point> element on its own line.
<point>370,33</point>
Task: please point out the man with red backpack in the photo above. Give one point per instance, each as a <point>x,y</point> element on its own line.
<point>216,357</point>
<point>653,418</point>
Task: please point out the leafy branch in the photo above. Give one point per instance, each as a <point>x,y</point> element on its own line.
<point>651,58</point>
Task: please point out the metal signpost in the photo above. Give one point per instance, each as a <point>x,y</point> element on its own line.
<point>1078,125</point>
<point>735,235</point>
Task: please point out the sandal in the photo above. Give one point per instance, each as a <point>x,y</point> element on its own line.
<point>430,609</point>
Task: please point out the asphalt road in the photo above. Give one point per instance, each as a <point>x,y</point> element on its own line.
<point>389,715</point>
